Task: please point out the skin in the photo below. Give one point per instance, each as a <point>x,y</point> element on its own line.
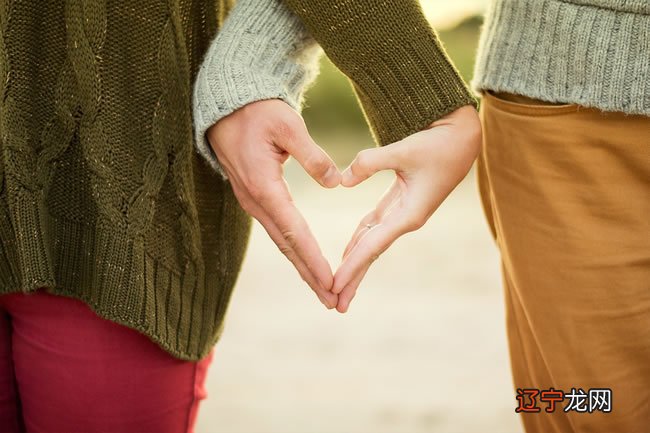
<point>428,165</point>
<point>254,142</point>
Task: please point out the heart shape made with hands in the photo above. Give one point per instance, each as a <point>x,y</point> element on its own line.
<point>253,143</point>
<point>333,216</point>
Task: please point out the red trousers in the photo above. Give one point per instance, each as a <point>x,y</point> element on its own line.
<point>65,369</point>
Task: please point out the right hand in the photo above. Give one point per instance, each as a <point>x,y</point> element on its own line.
<point>252,144</point>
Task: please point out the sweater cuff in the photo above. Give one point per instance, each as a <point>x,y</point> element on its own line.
<point>262,52</point>
<point>407,94</point>
<point>404,79</point>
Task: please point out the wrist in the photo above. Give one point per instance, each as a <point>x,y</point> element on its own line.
<point>468,132</point>
<point>262,52</point>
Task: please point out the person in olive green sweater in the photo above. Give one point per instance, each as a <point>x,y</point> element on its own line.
<point>120,246</point>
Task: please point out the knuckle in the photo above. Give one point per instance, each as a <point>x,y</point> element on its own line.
<point>363,159</point>
<point>257,192</point>
<point>287,126</point>
<point>317,164</point>
<point>256,186</point>
<point>291,238</point>
<point>414,223</point>
<point>282,130</point>
<point>286,250</point>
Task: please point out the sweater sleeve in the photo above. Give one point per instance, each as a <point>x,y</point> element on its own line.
<point>398,67</point>
<point>263,51</point>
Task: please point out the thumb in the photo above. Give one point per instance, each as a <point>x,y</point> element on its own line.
<point>367,163</point>
<point>299,144</point>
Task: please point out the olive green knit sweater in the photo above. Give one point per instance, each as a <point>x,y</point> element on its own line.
<point>102,196</point>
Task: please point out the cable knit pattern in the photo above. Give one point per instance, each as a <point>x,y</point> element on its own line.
<point>4,79</point>
<point>103,196</point>
<point>269,57</point>
<point>591,52</point>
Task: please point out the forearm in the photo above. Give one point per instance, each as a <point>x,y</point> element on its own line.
<point>400,72</point>
<point>263,51</point>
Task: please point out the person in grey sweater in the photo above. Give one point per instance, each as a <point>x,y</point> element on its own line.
<point>564,178</point>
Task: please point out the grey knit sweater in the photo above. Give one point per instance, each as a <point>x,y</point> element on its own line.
<point>591,52</point>
<point>263,51</point>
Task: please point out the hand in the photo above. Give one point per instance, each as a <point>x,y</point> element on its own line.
<point>252,145</point>
<point>428,165</point>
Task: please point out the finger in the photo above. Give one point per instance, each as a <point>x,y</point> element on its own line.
<point>361,230</point>
<point>295,139</point>
<point>325,296</point>
<point>278,205</point>
<point>368,162</point>
<point>349,292</point>
<point>369,248</point>
<point>386,203</point>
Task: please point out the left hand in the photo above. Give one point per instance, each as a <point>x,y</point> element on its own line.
<point>428,165</point>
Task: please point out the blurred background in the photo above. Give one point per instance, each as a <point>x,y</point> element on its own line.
<point>422,348</point>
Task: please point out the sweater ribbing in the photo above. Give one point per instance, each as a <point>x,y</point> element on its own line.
<point>589,52</point>
<point>399,70</point>
<point>262,52</point>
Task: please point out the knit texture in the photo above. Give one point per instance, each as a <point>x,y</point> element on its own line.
<point>262,52</point>
<point>595,53</point>
<point>397,65</point>
<point>102,195</point>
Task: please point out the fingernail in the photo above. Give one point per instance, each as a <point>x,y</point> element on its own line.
<point>324,301</point>
<point>346,176</point>
<point>332,177</point>
<point>330,305</point>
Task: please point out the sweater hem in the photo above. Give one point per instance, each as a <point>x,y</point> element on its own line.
<point>112,272</point>
<point>108,314</point>
<point>565,52</point>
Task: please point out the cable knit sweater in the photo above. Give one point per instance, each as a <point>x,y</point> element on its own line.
<point>102,195</point>
<point>591,52</point>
